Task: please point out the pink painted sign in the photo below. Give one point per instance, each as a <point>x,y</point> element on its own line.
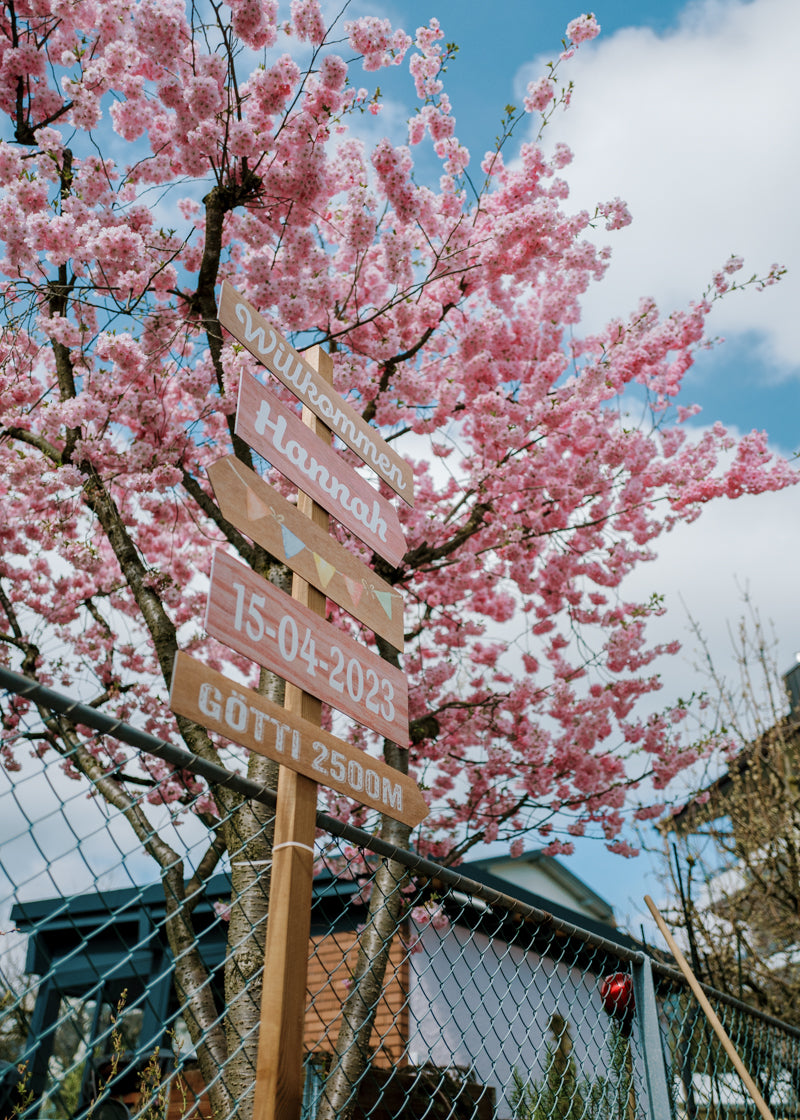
<point>268,345</point>
<point>244,716</point>
<point>253,617</point>
<point>256,508</point>
<point>281,437</point>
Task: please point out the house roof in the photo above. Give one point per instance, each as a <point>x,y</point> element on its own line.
<point>126,922</point>
<point>558,883</point>
<point>709,803</point>
<point>494,872</point>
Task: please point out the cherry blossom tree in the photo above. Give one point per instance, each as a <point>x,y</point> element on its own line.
<point>153,149</point>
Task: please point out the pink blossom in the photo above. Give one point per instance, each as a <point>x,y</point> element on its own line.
<point>374,39</point>
<point>649,812</point>
<point>255,21</point>
<point>333,73</point>
<point>307,20</point>
<point>539,95</point>
<point>49,139</point>
<point>561,157</point>
<point>616,214</point>
<point>685,412</point>
<point>582,29</point>
<point>222,910</point>
<point>558,848</point>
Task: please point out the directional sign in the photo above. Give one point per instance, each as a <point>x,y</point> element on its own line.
<point>247,718</point>
<point>266,517</point>
<point>256,619</point>
<point>270,347</point>
<point>283,440</point>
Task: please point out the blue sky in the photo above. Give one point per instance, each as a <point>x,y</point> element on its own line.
<point>691,113</point>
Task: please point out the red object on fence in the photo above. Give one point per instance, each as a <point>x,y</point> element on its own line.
<point>616,992</point>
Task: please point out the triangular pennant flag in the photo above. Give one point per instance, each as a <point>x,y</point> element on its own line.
<point>326,570</point>
<point>255,507</point>
<point>355,588</point>
<point>385,600</point>
<point>291,544</point>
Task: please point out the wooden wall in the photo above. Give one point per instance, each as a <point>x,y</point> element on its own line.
<point>330,966</point>
<point>331,961</point>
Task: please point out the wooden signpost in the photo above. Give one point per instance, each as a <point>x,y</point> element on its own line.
<point>255,618</point>
<point>291,637</point>
<point>258,510</point>
<point>250,719</point>
<point>278,435</point>
<point>267,344</point>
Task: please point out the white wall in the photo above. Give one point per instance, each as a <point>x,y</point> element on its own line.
<point>485,1005</point>
<point>535,877</point>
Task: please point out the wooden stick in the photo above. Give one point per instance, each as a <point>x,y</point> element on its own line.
<point>717,1026</point>
<point>279,1071</point>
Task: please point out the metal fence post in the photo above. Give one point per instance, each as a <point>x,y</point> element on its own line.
<point>659,1106</point>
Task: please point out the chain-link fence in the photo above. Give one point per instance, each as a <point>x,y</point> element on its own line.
<point>131,988</point>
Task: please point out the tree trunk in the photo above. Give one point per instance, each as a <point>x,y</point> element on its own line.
<point>250,835</point>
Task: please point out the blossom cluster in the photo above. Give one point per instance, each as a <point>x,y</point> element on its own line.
<point>582,29</point>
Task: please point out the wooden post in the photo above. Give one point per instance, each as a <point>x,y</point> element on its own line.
<point>711,1015</point>
<point>279,1073</point>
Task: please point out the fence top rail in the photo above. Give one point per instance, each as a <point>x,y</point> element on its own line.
<point>670,972</point>
<point>181,758</point>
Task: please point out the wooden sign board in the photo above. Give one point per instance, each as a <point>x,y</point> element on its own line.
<point>258,510</point>
<point>281,437</point>
<point>244,716</point>
<point>261,622</point>
<point>269,346</point>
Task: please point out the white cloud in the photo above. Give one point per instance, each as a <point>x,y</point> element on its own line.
<point>750,544</point>
<point>697,130</point>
